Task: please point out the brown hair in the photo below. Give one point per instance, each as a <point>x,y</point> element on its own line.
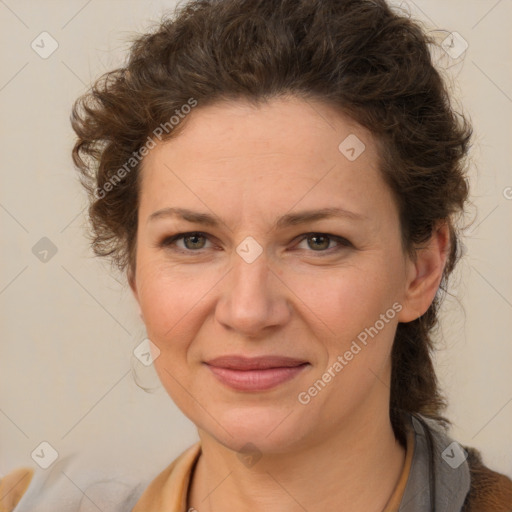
<point>371,62</point>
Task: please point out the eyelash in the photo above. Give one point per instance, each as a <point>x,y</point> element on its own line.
<point>169,241</point>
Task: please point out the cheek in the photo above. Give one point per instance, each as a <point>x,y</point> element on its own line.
<point>358,323</point>
<point>345,300</point>
<point>170,306</point>
<point>362,323</point>
<point>168,295</point>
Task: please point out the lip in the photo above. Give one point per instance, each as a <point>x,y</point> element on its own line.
<point>235,362</point>
<point>255,373</point>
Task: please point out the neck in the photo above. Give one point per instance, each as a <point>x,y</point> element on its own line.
<point>355,468</point>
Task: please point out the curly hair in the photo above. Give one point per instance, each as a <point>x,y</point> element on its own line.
<point>360,56</point>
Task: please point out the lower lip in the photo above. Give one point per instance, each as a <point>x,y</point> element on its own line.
<point>255,380</point>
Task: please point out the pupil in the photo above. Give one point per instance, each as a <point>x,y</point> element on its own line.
<point>194,237</point>
<point>320,237</point>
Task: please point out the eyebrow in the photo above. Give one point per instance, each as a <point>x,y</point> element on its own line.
<point>290,219</point>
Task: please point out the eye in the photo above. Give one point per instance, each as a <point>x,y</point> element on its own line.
<point>193,241</point>
<point>320,242</point>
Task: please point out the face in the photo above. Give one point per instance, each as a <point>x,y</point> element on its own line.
<point>255,277</point>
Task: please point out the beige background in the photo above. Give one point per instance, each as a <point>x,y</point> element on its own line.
<point>69,325</point>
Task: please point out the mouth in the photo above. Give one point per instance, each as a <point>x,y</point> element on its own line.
<point>255,373</point>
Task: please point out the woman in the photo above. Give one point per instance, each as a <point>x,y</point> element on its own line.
<point>279,180</point>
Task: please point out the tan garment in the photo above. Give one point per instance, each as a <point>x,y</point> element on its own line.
<point>13,486</point>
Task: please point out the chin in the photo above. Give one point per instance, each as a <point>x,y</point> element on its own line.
<point>269,429</point>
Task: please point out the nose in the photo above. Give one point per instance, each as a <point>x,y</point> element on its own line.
<point>253,298</point>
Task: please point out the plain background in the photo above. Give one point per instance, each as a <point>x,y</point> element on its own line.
<point>69,325</point>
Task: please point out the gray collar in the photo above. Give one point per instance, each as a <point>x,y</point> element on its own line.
<point>439,478</point>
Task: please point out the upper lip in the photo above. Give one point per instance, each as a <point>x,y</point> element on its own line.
<point>235,362</point>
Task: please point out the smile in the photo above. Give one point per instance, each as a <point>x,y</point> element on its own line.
<point>255,374</point>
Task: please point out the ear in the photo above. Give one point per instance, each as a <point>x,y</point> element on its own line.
<point>424,275</point>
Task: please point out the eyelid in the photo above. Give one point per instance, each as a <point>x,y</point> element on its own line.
<point>342,241</point>
<point>169,240</point>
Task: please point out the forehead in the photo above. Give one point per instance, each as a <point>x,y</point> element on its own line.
<point>272,156</point>
<point>290,125</point>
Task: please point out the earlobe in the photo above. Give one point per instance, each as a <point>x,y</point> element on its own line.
<point>425,274</point>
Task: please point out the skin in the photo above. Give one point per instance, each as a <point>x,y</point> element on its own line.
<point>248,166</point>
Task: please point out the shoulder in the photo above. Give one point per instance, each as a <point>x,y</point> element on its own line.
<point>489,490</point>
<point>13,486</point>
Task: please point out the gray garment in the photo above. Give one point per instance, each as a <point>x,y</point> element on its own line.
<point>447,490</point>
<point>66,487</point>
